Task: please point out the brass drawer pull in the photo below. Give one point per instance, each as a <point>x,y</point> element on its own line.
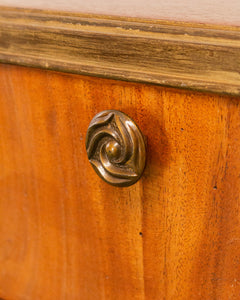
<point>115,148</point>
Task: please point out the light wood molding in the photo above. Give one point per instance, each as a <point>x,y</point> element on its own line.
<point>182,55</point>
<point>204,11</point>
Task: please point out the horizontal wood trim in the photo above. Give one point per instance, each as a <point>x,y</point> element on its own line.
<point>179,55</point>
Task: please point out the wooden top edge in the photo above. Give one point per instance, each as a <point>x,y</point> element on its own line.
<point>120,18</point>
<point>183,55</point>
<point>28,11</point>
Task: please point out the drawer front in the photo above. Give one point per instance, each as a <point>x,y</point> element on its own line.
<point>67,234</point>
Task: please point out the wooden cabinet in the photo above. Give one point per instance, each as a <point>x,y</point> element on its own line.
<point>66,234</point>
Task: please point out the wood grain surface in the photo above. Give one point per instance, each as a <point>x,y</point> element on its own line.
<point>183,55</point>
<point>204,11</point>
<point>66,234</point>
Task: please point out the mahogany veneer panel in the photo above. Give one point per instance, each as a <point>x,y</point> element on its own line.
<point>66,234</point>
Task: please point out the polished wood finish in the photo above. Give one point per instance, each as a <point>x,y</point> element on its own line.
<point>66,234</point>
<point>194,56</point>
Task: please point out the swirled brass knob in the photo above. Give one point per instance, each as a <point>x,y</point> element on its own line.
<point>115,148</point>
